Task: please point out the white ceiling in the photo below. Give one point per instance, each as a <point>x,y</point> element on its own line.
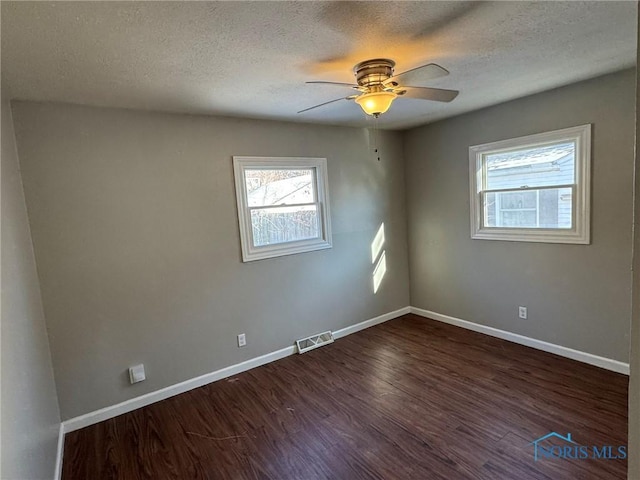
<point>253,58</point>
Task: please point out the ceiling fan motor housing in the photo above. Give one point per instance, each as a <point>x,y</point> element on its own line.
<point>373,72</point>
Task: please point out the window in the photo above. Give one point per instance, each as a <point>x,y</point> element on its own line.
<point>532,189</point>
<point>283,206</point>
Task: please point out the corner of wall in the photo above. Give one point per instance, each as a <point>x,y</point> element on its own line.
<point>634,381</point>
<point>30,410</point>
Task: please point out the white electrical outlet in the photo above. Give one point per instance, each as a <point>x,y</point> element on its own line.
<point>242,340</point>
<point>136,374</point>
<point>522,312</point>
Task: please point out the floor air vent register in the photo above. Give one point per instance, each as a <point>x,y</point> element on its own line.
<point>314,341</point>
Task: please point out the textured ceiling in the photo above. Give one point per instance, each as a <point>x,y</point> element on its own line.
<point>253,58</point>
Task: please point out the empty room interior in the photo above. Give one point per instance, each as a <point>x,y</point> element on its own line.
<point>320,240</point>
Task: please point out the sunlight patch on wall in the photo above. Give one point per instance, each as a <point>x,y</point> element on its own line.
<point>378,273</point>
<point>378,254</point>
<point>378,242</point>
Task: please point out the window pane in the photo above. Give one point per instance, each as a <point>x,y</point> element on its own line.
<point>519,219</point>
<point>544,208</point>
<point>532,167</point>
<point>518,200</point>
<point>279,186</point>
<point>284,224</point>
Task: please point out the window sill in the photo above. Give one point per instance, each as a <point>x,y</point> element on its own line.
<point>280,250</point>
<point>532,235</point>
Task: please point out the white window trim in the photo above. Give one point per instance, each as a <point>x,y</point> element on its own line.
<point>251,252</point>
<point>581,211</point>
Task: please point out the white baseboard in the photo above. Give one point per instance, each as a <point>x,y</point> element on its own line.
<point>602,362</point>
<point>343,332</point>
<point>172,390</point>
<point>59,454</point>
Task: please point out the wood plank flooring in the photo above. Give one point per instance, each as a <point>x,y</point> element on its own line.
<point>409,399</point>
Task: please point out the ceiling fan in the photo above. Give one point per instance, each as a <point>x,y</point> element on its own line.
<point>379,87</point>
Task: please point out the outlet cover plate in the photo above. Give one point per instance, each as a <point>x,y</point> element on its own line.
<point>136,374</point>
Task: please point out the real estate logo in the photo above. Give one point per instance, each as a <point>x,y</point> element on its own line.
<point>568,448</point>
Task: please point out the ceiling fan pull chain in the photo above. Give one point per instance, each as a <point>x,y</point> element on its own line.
<point>375,136</point>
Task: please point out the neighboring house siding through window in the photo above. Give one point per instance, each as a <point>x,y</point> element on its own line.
<point>539,208</point>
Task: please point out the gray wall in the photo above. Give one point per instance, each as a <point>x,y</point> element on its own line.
<point>135,231</point>
<point>578,296</point>
<point>30,415</point>
<point>634,381</point>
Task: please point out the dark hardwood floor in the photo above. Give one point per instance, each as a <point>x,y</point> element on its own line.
<point>408,399</point>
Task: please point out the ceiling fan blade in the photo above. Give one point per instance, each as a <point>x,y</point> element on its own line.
<point>426,93</point>
<point>419,74</point>
<point>350,97</point>
<point>340,84</point>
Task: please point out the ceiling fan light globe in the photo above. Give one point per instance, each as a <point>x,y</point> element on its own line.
<point>375,103</point>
